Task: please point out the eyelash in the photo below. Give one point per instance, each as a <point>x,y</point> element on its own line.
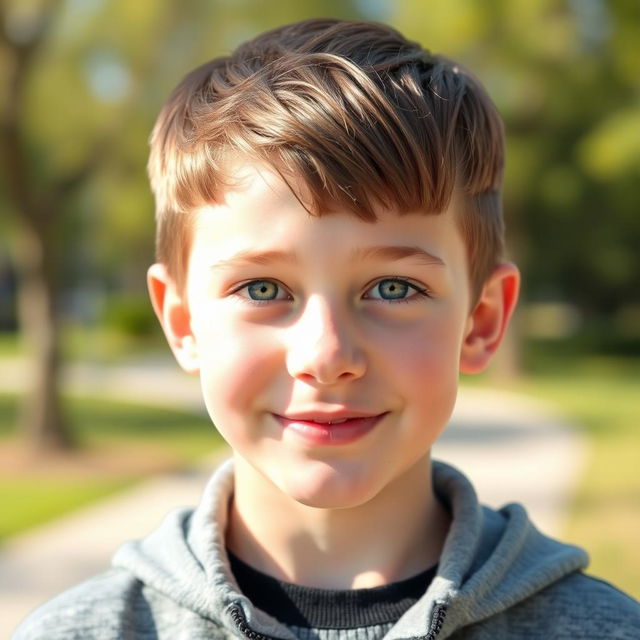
<point>259,303</point>
<point>417,289</point>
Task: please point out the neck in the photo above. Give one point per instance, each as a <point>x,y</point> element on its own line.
<point>393,536</point>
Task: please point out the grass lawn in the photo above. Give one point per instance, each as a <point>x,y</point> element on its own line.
<point>98,344</point>
<point>28,501</point>
<point>602,396</point>
<point>121,444</point>
<point>10,346</point>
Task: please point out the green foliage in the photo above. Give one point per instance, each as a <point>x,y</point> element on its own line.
<point>612,148</point>
<point>101,77</point>
<point>129,314</point>
<point>566,77</point>
<point>564,74</point>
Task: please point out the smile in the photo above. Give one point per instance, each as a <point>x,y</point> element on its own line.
<point>322,431</point>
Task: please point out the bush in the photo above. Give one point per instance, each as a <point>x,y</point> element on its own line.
<point>131,315</point>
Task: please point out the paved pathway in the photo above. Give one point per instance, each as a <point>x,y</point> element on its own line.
<point>512,447</point>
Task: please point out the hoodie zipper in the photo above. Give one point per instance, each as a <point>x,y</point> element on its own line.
<point>238,617</point>
<point>437,620</point>
<point>241,625</point>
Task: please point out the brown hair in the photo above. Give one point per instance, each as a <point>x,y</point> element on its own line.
<point>362,115</point>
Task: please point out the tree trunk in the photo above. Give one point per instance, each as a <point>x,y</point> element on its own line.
<point>42,417</point>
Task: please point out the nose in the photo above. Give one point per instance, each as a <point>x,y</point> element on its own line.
<point>322,346</point>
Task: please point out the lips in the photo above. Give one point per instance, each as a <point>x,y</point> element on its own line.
<point>324,430</point>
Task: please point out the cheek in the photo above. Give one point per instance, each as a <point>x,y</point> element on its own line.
<point>237,364</point>
<point>422,365</point>
<point>427,351</point>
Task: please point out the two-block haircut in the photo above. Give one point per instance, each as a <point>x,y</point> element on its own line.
<point>364,117</point>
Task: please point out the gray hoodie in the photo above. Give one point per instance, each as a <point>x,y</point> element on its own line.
<point>498,578</point>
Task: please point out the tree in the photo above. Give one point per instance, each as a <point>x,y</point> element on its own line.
<point>37,207</point>
<point>40,186</point>
<point>80,84</point>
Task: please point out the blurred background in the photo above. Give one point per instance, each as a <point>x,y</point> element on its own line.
<point>81,82</point>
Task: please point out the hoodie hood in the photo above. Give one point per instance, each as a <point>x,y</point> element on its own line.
<point>491,561</point>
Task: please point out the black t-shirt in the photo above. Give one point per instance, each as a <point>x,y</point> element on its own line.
<point>309,607</point>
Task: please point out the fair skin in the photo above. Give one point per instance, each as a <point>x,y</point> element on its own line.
<point>328,350</point>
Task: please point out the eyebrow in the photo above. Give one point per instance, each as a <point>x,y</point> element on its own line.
<point>381,252</point>
<point>250,257</point>
<point>391,252</point>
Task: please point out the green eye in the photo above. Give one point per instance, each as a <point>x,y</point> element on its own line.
<point>262,290</point>
<point>392,289</point>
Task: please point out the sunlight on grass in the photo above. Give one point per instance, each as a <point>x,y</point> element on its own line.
<point>605,514</point>
<point>10,346</point>
<point>128,443</point>
<point>27,502</point>
<point>98,422</point>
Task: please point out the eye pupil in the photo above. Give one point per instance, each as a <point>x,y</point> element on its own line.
<point>393,289</point>
<point>262,290</point>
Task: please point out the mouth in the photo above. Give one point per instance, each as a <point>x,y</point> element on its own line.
<point>324,430</point>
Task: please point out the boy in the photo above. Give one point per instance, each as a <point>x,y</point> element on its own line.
<point>329,258</point>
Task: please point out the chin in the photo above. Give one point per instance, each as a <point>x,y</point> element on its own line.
<point>329,487</point>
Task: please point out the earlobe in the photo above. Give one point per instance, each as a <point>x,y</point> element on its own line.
<point>173,313</point>
<point>490,318</point>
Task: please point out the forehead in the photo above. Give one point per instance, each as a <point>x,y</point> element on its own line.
<point>260,208</point>
<point>261,211</point>
<point>261,229</point>
<point>248,182</point>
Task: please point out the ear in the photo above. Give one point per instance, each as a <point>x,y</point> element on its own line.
<point>489,319</point>
<point>173,313</point>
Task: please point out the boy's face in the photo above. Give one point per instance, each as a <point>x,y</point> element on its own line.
<point>294,321</point>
